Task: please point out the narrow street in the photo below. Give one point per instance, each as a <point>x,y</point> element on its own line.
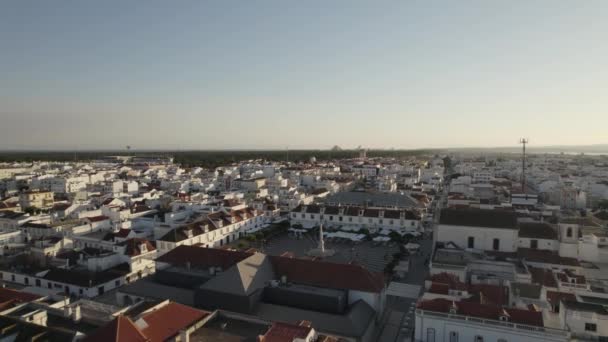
<point>399,317</point>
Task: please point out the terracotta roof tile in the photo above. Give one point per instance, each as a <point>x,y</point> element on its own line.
<point>328,274</point>
<point>121,329</point>
<point>166,321</point>
<point>285,332</point>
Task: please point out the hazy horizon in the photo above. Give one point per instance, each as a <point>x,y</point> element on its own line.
<point>194,75</point>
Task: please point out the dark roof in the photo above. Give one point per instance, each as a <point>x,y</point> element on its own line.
<point>380,199</point>
<point>479,218</point>
<point>354,211</point>
<point>392,214</point>
<point>201,257</point>
<point>537,230</point>
<point>37,225</point>
<point>11,215</point>
<point>328,274</point>
<point>86,278</point>
<point>97,218</point>
<point>526,290</point>
<point>332,210</point>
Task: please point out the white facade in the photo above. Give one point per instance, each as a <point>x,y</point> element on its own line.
<point>481,237</point>
<point>443,327</point>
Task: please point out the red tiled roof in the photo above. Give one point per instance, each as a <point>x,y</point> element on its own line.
<point>284,332</point>
<point>166,321</point>
<point>450,280</point>
<point>203,257</point>
<point>122,233</point>
<point>61,206</point>
<point>554,297</point>
<point>439,288</point>
<point>121,329</point>
<point>492,312</point>
<point>97,218</point>
<point>328,274</point>
<point>543,277</point>
<point>107,201</point>
<point>489,294</point>
<point>9,294</point>
<point>134,246</point>
<point>529,317</point>
<point>11,298</point>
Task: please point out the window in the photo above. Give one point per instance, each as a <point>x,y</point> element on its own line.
<point>453,336</point>
<point>331,218</point>
<point>49,285</point>
<point>117,283</point>
<point>534,244</point>
<point>471,242</point>
<point>496,244</point>
<point>478,338</point>
<point>27,280</point>
<point>381,221</point>
<point>302,215</point>
<point>430,335</point>
<point>12,277</point>
<point>569,232</point>
<point>340,219</point>
<point>311,216</point>
<point>350,219</point>
<point>590,327</point>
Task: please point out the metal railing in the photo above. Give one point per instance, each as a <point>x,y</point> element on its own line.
<point>494,323</point>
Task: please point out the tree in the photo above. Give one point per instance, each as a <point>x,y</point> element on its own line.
<point>603,204</point>
<point>30,210</point>
<point>396,237</point>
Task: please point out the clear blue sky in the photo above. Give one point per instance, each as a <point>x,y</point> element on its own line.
<point>304,74</point>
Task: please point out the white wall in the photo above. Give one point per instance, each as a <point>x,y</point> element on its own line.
<point>484,237</point>
<point>467,331</point>
<point>544,244</point>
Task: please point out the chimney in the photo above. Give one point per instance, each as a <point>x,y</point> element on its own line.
<point>76,314</point>
<point>284,279</point>
<point>188,265</point>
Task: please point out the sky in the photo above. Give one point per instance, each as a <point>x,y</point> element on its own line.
<point>302,74</point>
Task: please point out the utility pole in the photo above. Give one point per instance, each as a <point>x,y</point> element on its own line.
<point>523,141</point>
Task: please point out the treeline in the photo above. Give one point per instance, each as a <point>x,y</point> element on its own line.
<point>209,158</point>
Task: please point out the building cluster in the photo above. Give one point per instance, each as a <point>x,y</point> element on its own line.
<point>139,248</point>
<point>564,182</point>
<point>499,274</point>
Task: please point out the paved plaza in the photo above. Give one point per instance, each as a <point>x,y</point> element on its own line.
<point>364,253</point>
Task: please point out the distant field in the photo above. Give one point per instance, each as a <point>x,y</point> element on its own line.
<point>208,158</point>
